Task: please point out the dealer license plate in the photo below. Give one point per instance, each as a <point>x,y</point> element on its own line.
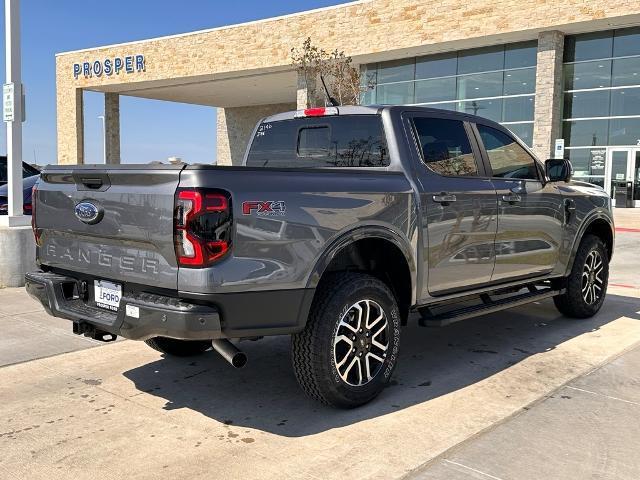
<point>107,294</point>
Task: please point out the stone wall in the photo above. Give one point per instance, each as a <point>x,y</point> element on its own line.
<point>235,126</point>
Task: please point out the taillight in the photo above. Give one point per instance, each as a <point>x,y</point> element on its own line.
<point>316,112</point>
<point>32,209</point>
<point>202,226</point>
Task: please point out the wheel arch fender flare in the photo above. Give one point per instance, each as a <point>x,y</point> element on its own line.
<point>593,217</point>
<point>361,233</point>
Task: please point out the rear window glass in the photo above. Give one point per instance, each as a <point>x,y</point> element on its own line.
<point>340,141</point>
<point>314,142</point>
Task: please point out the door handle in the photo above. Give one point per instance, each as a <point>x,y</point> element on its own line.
<point>512,198</point>
<point>444,198</point>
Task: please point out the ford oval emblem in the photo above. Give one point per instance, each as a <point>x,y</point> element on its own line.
<point>89,213</point>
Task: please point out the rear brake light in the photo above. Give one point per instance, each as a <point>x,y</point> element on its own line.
<point>202,226</point>
<point>316,112</point>
<point>32,208</point>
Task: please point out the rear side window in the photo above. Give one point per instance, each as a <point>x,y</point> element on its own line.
<point>338,141</point>
<point>506,157</point>
<point>445,146</point>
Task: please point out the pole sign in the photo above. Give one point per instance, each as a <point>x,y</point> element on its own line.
<point>8,102</point>
<point>109,66</point>
<point>558,151</point>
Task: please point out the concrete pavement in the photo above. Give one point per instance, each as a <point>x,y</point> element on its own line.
<point>123,411</point>
<point>587,429</point>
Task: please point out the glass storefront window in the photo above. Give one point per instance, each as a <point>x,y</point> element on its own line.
<point>368,97</point>
<point>588,46</point>
<point>441,65</point>
<point>587,75</point>
<point>585,132</point>
<point>480,85</point>
<point>495,82</point>
<point>582,169</point>
<point>453,106</point>
<point>521,55</point>
<point>491,109</point>
<point>625,102</point>
<point>518,109</point>
<point>626,71</point>
<point>624,131</point>
<point>396,71</point>
<point>586,104</point>
<point>603,87</point>
<point>436,90</point>
<point>520,81</point>
<point>395,93</point>
<point>626,42</point>
<point>481,60</point>
<point>524,131</point>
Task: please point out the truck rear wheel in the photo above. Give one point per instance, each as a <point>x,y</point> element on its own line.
<point>586,285</point>
<point>348,350</point>
<point>178,348</point>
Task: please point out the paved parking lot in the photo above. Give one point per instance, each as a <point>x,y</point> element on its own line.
<point>524,393</point>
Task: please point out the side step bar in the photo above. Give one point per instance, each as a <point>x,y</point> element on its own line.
<point>488,306</point>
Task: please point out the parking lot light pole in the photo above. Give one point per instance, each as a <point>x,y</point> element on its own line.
<point>13,115</point>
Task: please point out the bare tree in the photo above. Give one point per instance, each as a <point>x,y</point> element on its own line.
<point>345,83</point>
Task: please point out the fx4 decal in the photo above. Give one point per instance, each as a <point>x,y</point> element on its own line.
<point>264,208</point>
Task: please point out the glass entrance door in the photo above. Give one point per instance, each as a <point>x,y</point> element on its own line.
<point>623,165</point>
<point>635,175</point>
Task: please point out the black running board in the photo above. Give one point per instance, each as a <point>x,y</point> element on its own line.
<point>488,306</point>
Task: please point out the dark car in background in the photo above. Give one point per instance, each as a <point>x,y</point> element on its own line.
<point>27,170</point>
<point>27,186</point>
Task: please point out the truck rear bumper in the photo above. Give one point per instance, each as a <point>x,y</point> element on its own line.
<point>157,315</point>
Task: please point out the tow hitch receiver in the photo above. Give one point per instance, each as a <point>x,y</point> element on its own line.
<point>88,330</point>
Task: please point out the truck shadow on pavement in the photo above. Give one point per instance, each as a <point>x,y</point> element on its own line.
<point>433,362</point>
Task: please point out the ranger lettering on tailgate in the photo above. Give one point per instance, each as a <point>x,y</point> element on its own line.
<point>79,255</point>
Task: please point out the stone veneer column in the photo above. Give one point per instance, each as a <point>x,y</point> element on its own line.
<point>547,125</point>
<point>307,93</point>
<point>70,125</point>
<point>112,127</point>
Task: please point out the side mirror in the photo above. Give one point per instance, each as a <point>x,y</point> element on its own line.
<point>558,170</point>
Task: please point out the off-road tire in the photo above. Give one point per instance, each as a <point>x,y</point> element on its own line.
<point>312,350</point>
<point>178,348</point>
<point>572,303</point>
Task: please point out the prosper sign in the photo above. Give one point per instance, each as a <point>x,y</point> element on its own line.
<point>109,66</point>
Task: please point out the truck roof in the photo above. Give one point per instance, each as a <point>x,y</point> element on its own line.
<point>377,109</point>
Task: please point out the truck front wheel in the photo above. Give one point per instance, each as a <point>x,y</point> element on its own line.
<point>178,348</point>
<point>586,285</point>
<point>348,350</point>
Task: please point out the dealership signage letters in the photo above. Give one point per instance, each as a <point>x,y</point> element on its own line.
<point>109,66</point>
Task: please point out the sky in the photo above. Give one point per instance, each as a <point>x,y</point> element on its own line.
<point>150,129</point>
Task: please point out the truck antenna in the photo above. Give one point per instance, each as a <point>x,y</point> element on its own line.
<point>332,101</point>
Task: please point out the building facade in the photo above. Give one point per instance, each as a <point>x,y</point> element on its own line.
<point>547,70</point>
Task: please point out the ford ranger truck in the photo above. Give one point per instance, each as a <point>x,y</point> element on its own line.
<point>340,223</point>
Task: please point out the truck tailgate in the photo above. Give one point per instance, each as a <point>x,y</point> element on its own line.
<point>132,237</point>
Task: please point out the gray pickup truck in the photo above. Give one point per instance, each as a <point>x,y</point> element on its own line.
<point>341,222</point>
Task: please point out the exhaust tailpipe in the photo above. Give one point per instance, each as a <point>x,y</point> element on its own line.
<point>230,352</point>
